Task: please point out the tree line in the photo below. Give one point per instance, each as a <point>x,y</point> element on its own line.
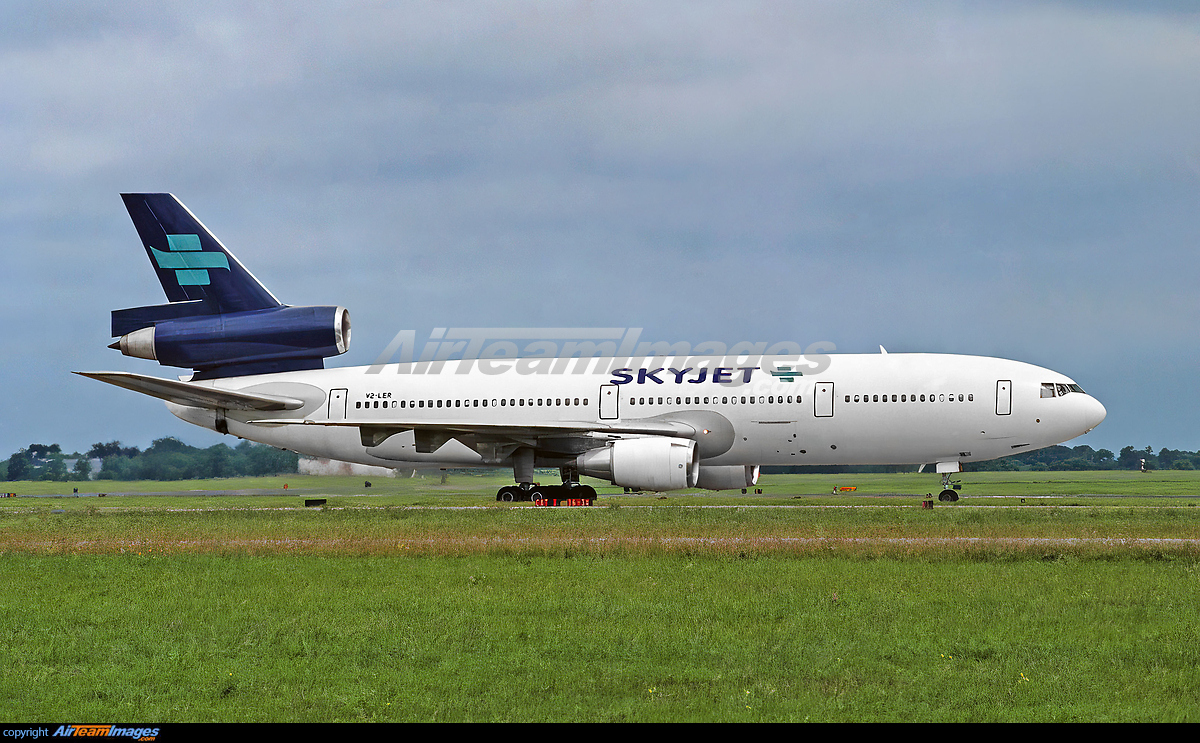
<point>1051,459</point>
<point>171,459</point>
<point>165,459</point>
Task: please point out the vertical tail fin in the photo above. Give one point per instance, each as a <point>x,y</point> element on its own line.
<point>190,262</point>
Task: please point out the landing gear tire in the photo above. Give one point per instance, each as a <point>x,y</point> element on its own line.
<point>510,494</point>
<point>575,490</point>
<point>948,496</point>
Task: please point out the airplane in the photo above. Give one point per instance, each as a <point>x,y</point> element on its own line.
<point>643,423</point>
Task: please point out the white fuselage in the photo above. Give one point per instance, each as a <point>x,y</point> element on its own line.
<point>860,409</point>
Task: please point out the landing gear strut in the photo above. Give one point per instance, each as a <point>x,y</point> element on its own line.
<point>949,492</point>
<point>527,490</point>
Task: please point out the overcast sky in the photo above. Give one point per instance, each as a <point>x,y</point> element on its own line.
<point>1004,179</point>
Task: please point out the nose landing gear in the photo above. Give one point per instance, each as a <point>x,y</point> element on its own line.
<point>950,490</point>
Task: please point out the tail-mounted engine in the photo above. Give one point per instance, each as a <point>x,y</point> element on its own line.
<point>231,344</point>
<point>220,321</point>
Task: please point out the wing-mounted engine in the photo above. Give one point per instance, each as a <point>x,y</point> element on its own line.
<point>727,477</point>
<point>653,463</point>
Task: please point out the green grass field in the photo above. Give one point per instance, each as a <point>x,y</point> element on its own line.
<point>417,600</point>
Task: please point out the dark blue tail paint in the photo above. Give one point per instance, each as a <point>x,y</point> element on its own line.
<point>221,321</point>
<point>192,264</point>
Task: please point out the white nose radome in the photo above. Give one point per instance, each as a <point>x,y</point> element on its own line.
<point>1093,413</point>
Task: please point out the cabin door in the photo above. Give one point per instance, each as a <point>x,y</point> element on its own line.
<point>609,397</point>
<point>1004,397</point>
<point>337,405</point>
<point>823,399</point>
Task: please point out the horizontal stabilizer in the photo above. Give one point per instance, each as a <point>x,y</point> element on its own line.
<point>194,395</point>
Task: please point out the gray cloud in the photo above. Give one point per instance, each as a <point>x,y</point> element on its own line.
<point>1016,180</point>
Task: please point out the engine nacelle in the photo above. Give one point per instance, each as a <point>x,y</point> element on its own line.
<point>731,477</point>
<point>654,463</point>
<point>257,341</point>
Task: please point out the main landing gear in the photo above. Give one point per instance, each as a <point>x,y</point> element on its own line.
<point>950,490</point>
<point>526,490</point>
<point>531,492</point>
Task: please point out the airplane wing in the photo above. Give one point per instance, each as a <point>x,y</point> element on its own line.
<point>693,424</point>
<point>645,426</point>
<point>194,395</point>
<point>374,434</point>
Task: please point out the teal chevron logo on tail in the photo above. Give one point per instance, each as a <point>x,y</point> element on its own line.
<point>190,263</point>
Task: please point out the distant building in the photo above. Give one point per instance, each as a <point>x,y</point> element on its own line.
<point>94,465</point>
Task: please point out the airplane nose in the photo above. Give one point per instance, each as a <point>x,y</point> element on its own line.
<point>1093,413</point>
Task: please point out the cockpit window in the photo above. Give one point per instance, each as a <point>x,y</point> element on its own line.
<point>1054,389</point>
